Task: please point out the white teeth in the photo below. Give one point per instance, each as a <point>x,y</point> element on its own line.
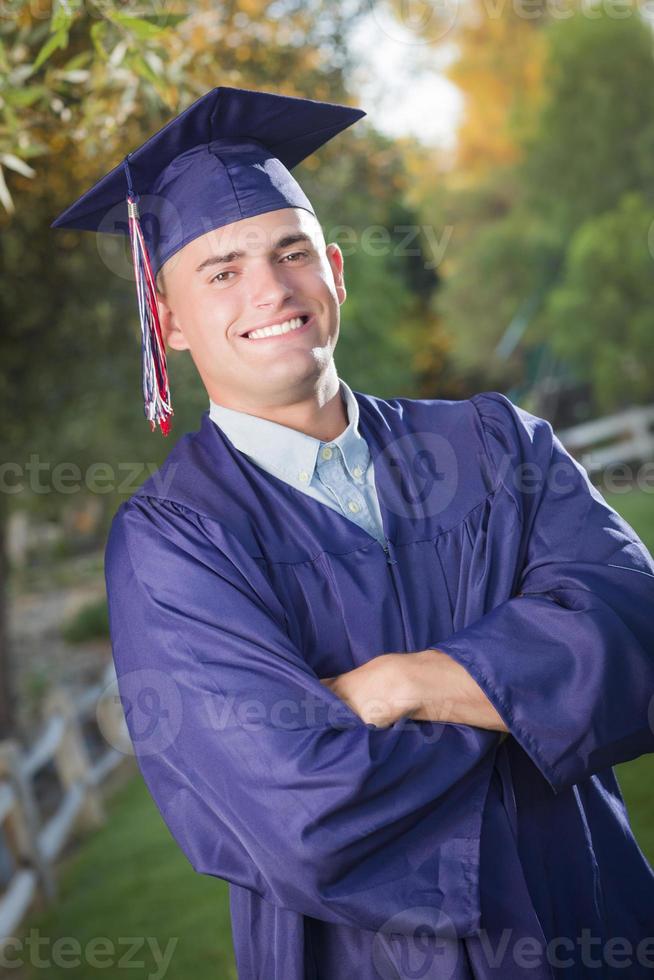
<point>277,328</point>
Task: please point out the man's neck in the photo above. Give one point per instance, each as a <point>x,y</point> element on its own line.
<point>323,415</point>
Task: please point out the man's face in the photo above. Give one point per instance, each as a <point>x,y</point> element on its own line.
<point>270,269</point>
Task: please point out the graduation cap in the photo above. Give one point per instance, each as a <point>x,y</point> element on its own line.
<point>226,157</point>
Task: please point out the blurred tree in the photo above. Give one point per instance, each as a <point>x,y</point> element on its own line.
<point>595,135</point>
<point>385,320</point>
<point>500,73</point>
<point>74,73</point>
<point>586,167</point>
<point>57,88</point>
<point>56,338</point>
<point>460,196</point>
<point>602,312</point>
<point>491,270</point>
<point>588,144</point>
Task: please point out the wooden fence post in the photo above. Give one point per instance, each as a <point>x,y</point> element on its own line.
<point>72,758</point>
<point>23,820</point>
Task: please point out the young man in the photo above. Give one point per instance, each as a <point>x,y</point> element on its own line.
<point>377,657</point>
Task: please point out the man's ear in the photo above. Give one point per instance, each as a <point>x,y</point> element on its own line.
<point>170,329</point>
<point>335,257</point>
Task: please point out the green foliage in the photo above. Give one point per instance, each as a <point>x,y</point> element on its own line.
<point>43,88</point>
<point>374,351</point>
<point>556,250</point>
<point>358,197</point>
<point>601,315</point>
<point>495,271</point>
<point>595,139</point>
<point>90,623</point>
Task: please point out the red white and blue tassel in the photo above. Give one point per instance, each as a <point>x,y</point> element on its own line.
<point>156,392</point>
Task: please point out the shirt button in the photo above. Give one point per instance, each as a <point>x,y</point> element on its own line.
<point>304,476</point>
<point>327,453</point>
<point>354,507</point>
<point>357,471</point>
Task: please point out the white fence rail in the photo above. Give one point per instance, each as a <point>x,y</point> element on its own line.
<point>33,840</point>
<point>626,437</point>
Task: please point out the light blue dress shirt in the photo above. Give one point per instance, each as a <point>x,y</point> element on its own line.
<point>338,473</point>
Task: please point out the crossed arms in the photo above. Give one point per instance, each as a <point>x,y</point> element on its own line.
<point>425,685</point>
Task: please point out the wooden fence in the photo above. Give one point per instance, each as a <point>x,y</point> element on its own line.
<point>624,438</point>
<point>35,827</point>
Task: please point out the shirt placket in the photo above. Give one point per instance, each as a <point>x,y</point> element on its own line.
<point>334,475</point>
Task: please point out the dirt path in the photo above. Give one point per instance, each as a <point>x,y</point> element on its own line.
<point>40,655</point>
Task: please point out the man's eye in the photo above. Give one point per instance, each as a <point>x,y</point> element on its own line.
<point>292,255</point>
<point>227,272</point>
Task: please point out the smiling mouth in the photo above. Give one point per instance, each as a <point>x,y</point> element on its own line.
<point>293,325</point>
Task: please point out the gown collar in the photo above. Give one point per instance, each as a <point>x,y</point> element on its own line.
<point>285,452</point>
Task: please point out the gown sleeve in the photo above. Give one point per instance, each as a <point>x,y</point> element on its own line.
<point>264,777</point>
<point>568,660</point>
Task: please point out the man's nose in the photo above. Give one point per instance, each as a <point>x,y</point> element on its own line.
<point>269,285</point>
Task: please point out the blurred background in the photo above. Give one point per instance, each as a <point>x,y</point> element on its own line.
<point>496,214</point>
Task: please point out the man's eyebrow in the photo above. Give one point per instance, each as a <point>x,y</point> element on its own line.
<point>283,242</point>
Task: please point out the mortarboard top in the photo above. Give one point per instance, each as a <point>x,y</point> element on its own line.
<point>228,156</point>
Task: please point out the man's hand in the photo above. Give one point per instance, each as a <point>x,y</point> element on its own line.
<point>445,691</point>
<point>379,691</point>
<point>426,685</point>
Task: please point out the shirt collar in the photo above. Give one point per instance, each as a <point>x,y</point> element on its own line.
<point>286,452</point>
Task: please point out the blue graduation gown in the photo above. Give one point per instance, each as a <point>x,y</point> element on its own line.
<point>423,849</point>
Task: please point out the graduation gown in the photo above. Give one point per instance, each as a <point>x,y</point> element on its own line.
<point>424,849</point>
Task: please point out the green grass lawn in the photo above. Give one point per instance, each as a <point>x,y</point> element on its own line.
<point>131,880</point>
<point>636,778</point>
<point>637,507</point>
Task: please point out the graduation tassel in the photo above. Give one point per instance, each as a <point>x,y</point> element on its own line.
<point>156,392</point>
